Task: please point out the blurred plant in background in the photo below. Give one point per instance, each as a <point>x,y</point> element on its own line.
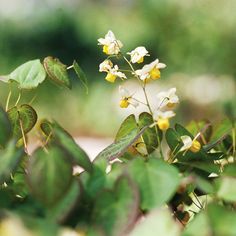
<point>196,38</point>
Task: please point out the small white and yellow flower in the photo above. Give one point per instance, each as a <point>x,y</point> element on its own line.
<point>111,45</point>
<point>105,66</point>
<point>189,144</point>
<point>126,98</point>
<point>162,119</point>
<point>150,71</point>
<point>113,73</point>
<point>138,54</point>
<point>167,99</point>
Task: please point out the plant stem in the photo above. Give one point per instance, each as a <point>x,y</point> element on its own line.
<point>8,99</point>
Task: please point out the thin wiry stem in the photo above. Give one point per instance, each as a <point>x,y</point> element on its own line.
<point>8,99</point>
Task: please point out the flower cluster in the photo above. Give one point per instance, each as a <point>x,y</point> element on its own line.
<point>166,101</point>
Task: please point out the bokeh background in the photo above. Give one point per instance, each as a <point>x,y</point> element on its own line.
<point>196,39</point>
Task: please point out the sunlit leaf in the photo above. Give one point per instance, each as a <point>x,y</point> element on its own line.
<point>29,75</point>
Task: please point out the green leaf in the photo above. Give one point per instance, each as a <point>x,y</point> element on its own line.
<point>81,75</point>
<point>215,220</point>
<point>5,128</point>
<point>173,140</point>
<point>78,155</point>
<point>63,208</point>
<point>127,126</point>
<point>29,75</point>
<point>9,160</point>
<point>226,188</point>
<point>158,222</point>
<point>116,211</point>
<point>152,178</point>
<point>221,129</point>
<point>182,131</point>
<point>57,71</point>
<point>46,127</point>
<point>49,174</point>
<point>24,114</point>
<point>150,136</point>
<point>117,149</point>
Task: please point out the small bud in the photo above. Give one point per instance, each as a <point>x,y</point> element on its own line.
<point>196,146</point>
<point>163,123</point>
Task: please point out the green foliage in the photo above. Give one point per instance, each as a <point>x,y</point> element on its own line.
<point>23,118</point>
<point>57,71</point>
<point>152,178</point>
<point>5,127</point>
<point>45,169</point>
<point>29,75</point>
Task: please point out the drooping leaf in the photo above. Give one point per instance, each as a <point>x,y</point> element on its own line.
<point>173,140</point>
<point>5,128</point>
<point>29,75</point>
<point>23,115</point>
<point>158,222</point>
<point>57,71</point>
<point>46,127</point>
<point>150,136</point>
<point>116,210</point>
<point>182,131</point>
<point>49,174</point>
<point>64,206</point>
<point>9,160</point>
<point>81,75</point>
<point>152,178</point>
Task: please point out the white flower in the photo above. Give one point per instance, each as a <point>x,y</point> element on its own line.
<point>163,114</point>
<point>167,99</point>
<point>138,54</point>
<point>111,45</point>
<point>113,73</point>
<point>105,66</point>
<point>189,144</point>
<point>150,71</point>
<point>126,98</point>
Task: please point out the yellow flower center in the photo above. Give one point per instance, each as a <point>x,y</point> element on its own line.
<point>155,73</point>
<point>140,60</point>
<point>105,49</point>
<point>196,146</point>
<point>110,77</point>
<point>170,105</point>
<point>163,123</point>
<point>124,103</point>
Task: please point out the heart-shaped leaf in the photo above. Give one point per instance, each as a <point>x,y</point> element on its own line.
<point>29,75</point>
<point>22,117</point>
<point>81,75</point>
<point>57,71</point>
<point>49,174</point>
<point>152,178</point>
<point>5,128</point>
<point>116,211</point>
<point>9,160</point>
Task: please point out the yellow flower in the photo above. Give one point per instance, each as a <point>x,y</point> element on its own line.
<point>138,54</point>
<point>111,45</point>
<point>189,144</point>
<point>150,71</point>
<point>126,98</point>
<point>162,119</point>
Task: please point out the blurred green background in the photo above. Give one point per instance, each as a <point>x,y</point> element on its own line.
<point>196,39</point>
